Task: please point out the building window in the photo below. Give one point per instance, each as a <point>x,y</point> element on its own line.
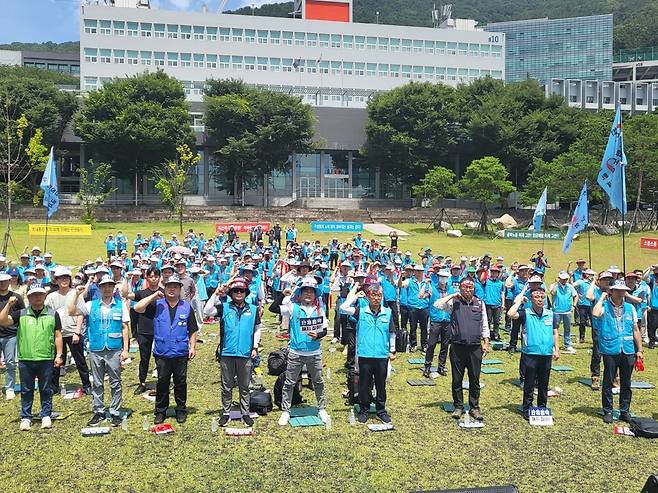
<point>428,73</point>
<point>473,49</point>
<point>440,47</point>
<point>311,40</point>
<point>382,70</point>
<point>348,41</point>
<point>452,49</point>
<point>75,69</point>
<point>335,68</point>
<point>463,48</point>
<point>324,66</point>
<point>119,56</point>
<point>91,83</point>
<point>324,40</point>
<point>91,26</point>
<point>348,68</point>
<point>236,62</point>
<point>105,55</point>
<point>172,31</point>
<point>91,55</point>
<point>211,61</point>
<point>395,44</point>
<point>275,64</point>
<point>172,59</point>
<point>159,30</point>
<point>145,57</point>
<point>287,38</point>
<point>440,73</point>
<point>406,46</point>
<point>287,64</point>
<point>300,39</point>
<point>186,59</point>
<point>496,51</point>
<point>224,62</point>
<point>359,68</point>
<point>132,29</point>
<point>132,57</point>
<point>52,67</point>
<point>371,43</point>
<point>198,60</point>
<point>275,37</point>
<point>382,44</point>
<point>199,32</point>
<point>158,59</point>
<point>311,66</point>
<point>211,33</point>
<point>250,63</point>
<point>336,40</point>
<point>395,71</point>
<point>250,36</point>
<point>262,37</point>
<point>119,28</point>
<point>224,34</point>
<point>485,50</point>
<point>406,71</point>
<point>145,29</point>
<point>418,46</point>
<point>106,27</point>
<point>360,42</point>
<point>452,74</point>
<point>262,64</point>
<point>236,34</point>
<point>185,32</point>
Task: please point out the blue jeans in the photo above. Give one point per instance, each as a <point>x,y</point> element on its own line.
<point>43,371</point>
<point>8,349</point>
<point>565,318</point>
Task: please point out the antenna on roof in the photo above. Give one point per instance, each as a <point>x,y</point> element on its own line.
<point>222,5</point>
<point>435,17</point>
<point>296,10</point>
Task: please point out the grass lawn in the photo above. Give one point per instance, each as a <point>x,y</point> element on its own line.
<point>426,451</point>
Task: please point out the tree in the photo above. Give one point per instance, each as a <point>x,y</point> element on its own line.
<point>173,180</point>
<point>486,180</point>
<point>436,185</point>
<point>94,189</point>
<point>135,124</point>
<point>253,132</point>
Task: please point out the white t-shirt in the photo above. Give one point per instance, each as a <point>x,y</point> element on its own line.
<point>60,303</point>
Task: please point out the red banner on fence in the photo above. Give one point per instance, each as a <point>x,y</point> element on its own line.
<point>650,243</point>
<point>240,227</point>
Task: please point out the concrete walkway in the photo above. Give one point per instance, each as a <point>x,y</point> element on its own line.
<point>382,229</point>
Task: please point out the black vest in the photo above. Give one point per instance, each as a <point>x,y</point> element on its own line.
<point>466,321</point>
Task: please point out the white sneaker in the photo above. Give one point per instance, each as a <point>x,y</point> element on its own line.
<point>46,423</point>
<point>323,415</point>
<point>285,417</point>
<point>154,374</point>
<point>25,425</point>
<point>10,394</point>
<point>334,340</point>
<point>570,350</point>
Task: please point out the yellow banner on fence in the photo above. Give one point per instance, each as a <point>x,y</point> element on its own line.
<point>60,229</point>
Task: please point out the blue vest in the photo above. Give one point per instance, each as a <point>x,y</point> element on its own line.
<point>238,330</point>
<point>493,290</point>
<point>582,289</point>
<point>616,338</point>
<point>653,284</point>
<point>563,298</point>
<point>390,291</point>
<point>437,315</point>
<point>170,337</point>
<point>404,298</point>
<point>412,294</point>
<point>372,333</point>
<point>596,321</point>
<point>105,333</point>
<point>537,335</point>
<point>299,341</point>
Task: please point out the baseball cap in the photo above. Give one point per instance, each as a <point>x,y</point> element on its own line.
<point>35,290</point>
<point>61,271</point>
<point>563,275</point>
<point>619,284</point>
<point>106,280</point>
<point>174,280</point>
<point>5,276</point>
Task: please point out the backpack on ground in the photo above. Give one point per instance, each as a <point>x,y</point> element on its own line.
<point>644,427</point>
<point>260,402</point>
<point>277,361</point>
<point>278,391</point>
<point>401,338</point>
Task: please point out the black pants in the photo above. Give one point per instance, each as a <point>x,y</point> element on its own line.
<point>349,335</point>
<point>418,319</point>
<point>168,367</point>
<point>134,317</point>
<point>494,314</point>
<point>652,325</point>
<point>393,305</point>
<point>514,335</point>
<point>340,326</point>
<point>584,319</point>
<point>595,363</point>
<point>145,342</point>
<point>369,369</point>
<point>508,321</point>
<point>439,334</point>
<point>404,317</point>
<point>537,369</point>
<point>611,363</point>
<point>466,357</point>
<point>333,261</point>
<point>80,363</point>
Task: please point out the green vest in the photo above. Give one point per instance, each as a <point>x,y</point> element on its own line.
<point>36,335</point>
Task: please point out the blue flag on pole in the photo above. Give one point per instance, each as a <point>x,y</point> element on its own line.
<point>579,220</point>
<point>49,185</point>
<point>540,212</point>
<point>612,175</point>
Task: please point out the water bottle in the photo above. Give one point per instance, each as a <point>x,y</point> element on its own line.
<point>352,418</point>
<point>327,425</point>
<point>408,348</point>
<point>328,373</point>
<point>213,425</point>
<point>145,423</point>
<point>467,419</point>
<point>63,391</point>
<point>124,423</point>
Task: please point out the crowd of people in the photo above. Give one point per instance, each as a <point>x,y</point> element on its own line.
<point>368,296</point>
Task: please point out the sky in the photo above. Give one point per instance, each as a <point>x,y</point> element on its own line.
<point>37,21</point>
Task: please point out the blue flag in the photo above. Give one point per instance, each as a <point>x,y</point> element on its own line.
<point>579,220</point>
<point>540,212</point>
<point>49,185</point>
<point>612,175</point>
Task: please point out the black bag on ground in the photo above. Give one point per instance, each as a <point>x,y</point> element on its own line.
<point>277,362</point>
<point>644,427</point>
<point>260,402</point>
<point>352,388</point>
<point>278,391</point>
<point>401,340</point>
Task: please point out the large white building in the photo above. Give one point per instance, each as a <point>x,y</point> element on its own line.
<point>323,57</point>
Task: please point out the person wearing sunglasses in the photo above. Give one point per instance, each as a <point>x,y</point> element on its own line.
<point>239,335</point>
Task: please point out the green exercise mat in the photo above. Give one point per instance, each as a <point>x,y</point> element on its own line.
<point>416,382</point>
<point>449,407</point>
<point>301,412</point>
<point>416,361</point>
<point>372,410</point>
<point>305,421</point>
<point>492,371</point>
<point>517,382</point>
<point>128,412</point>
<point>492,362</point>
<point>635,384</point>
<point>561,368</point>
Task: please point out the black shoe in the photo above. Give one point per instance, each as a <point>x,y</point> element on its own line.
<point>223,421</point>
<point>181,417</point>
<point>476,414</point>
<point>651,345</point>
<point>159,419</point>
<point>96,418</point>
<point>116,421</point>
<point>363,417</point>
<point>141,388</point>
<point>526,415</point>
<point>384,417</point>
<point>625,416</point>
<point>426,372</point>
<point>248,420</point>
<point>607,418</point>
<point>511,350</point>
<point>443,372</point>
<point>413,349</point>
<point>86,390</point>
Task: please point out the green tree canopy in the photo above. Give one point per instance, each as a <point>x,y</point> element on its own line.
<point>436,185</point>
<point>486,180</point>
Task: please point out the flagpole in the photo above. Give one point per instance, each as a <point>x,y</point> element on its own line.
<point>623,195</point>
<point>45,241</point>
<point>589,245</point>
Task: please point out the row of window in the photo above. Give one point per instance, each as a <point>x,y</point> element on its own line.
<point>238,62</point>
<point>55,67</point>
<point>288,38</point>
